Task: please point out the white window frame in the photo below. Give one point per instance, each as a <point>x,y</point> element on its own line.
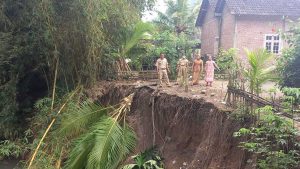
<point>272,41</point>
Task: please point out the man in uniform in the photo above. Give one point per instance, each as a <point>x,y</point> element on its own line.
<point>162,68</point>
<point>182,68</point>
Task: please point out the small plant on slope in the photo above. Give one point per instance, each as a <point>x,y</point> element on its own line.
<point>149,159</point>
<point>274,142</point>
<point>259,72</point>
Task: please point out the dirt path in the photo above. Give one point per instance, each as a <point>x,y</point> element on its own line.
<point>214,94</point>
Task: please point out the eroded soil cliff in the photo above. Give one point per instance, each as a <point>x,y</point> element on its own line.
<point>190,133</point>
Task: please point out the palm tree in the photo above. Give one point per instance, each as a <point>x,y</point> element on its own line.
<point>179,16</point>
<point>140,31</point>
<point>92,136</point>
<point>130,40</point>
<point>107,138</point>
<point>179,19</point>
<point>259,72</point>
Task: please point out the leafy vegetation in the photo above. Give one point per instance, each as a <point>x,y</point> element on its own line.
<point>273,141</point>
<point>291,100</point>
<point>48,45</point>
<point>288,63</point>
<point>259,72</point>
<point>226,59</point>
<point>52,47</point>
<point>86,134</point>
<point>149,159</point>
<point>176,35</point>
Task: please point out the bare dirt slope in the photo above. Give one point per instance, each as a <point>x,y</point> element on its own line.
<point>191,132</point>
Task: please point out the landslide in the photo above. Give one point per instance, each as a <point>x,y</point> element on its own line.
<point>190,133</point>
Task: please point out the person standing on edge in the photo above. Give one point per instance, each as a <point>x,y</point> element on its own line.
<point>162,69</point>
<point>197,69</point>
<point>210,66</point>
<point>182,66</point>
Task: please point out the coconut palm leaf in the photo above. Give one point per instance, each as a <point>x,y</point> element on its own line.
<point>103,148</point>
<point>259,72</point>
<point>79,117</point>
<point>164,20</point>
<point>106,143</point>
<point>179,16</point>
<point>139,33</point>
<point>131,166</point>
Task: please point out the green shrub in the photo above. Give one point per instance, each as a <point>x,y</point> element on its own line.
<point>273,141</point>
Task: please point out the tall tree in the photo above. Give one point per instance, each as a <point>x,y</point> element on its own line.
<point>71,41</point>
<point>180,16</point>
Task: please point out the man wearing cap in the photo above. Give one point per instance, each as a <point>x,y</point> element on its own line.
<point>162,68</point>
<point>182,66</point>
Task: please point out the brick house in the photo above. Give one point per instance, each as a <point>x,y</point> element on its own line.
<point>241,24</point>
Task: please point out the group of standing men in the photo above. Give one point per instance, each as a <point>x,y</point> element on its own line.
<point>162,68</point>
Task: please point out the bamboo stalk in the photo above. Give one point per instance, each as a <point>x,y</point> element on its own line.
<point>48,128</point>
<point>54,84</point>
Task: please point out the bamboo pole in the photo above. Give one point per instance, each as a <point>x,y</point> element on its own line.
<point>54,84</point>
<point>49,127</point>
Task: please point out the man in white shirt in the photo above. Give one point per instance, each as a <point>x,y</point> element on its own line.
<point>162,68</point>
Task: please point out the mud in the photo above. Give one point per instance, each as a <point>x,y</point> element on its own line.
<point>190,133</point>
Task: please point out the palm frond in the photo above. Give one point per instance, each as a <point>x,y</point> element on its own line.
<point>79,117</point>
<point>107,142</point>
<point>163,20</point>
<point>139,32</point>
<point>131,166</point>
<point>259,72</point>
<point>104,148</point>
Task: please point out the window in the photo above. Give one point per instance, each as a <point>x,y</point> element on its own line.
<point>272,43</point>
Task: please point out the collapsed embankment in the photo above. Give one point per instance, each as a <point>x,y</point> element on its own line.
<point>190,133</point>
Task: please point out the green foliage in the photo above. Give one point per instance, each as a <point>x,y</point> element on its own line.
<point>226,59</point>
<point>8,109</point>
<point>176,34</point>
<point>137,44</point>
<point>288,63</point>
<point>294,93</point>
<point>104,141</point>
<point>178,17</point>
<point>15,148</point>
<point>259,72</point>
<point>291,99</point>
<point>86,134</point>
<point>81,36</point>
<point>105,146</point>
<point>242,114</point>
<point>273,141</point>
<point>149,159</point>
<point>138,33</point>
<point>10,149</point>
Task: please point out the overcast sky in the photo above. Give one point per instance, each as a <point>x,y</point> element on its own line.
<point>160,5</point>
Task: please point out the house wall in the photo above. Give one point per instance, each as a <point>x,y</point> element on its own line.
<point>227,29</point>
<point>239,31</point>
<point>209,32</point>
<point>251,30</point>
